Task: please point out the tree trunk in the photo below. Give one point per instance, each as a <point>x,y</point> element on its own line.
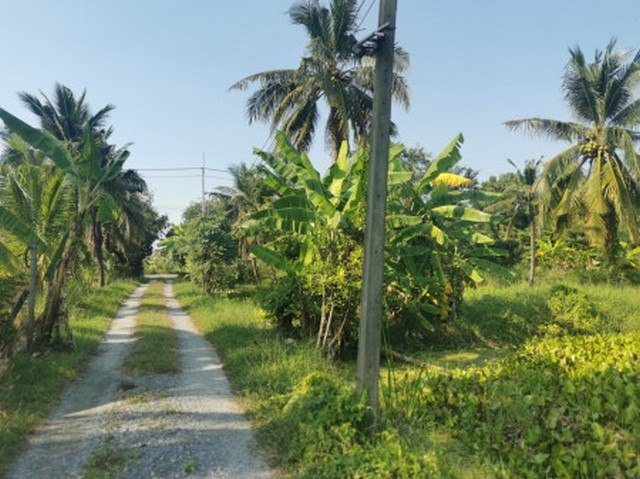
<point>532,245</point>
<point>53,317</point>
<point>97,239</point>
<point>610,241</point>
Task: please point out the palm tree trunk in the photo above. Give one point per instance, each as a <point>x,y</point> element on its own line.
<point>97,238</point>
<point>532,245</point>
<point>53,316</point>
<point>610,243</point>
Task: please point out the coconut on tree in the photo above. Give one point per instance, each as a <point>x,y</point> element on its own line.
<point>597,178</point>
<point>331,73</point>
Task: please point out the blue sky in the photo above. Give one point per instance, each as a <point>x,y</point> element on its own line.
<point>167,67</point>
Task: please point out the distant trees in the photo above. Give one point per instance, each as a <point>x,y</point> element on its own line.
<point>597,177</point>
<point>518,205</point>
<point>330,71</point>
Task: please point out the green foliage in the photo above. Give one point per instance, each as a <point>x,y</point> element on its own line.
<point>594,179</point>
<point>316,228</point>
<point>545,406</point>
<point>559,407</point>
<point>303,404</point>
<point>9,286</point>
<point>330,72</point>
<point>573,310</point>
<point>210,250</point>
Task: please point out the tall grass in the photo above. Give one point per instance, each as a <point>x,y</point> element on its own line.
<point>501,376</point>
<point>31,387</point>
<point>304,407</point>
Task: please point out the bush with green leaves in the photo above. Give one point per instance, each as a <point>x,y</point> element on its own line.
<point>559,407</point>
<point>573,311</point>
<point>8,329</point>
<point>316,226</point>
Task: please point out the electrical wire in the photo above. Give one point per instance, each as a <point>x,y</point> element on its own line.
<point>365,13</point>
<point>184,168</point>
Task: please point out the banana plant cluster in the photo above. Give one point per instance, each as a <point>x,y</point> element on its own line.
<point>40,209</point>
<point>313,231</point>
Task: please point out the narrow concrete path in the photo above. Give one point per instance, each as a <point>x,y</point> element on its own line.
<point>64,443</point>
<point>164,426</point>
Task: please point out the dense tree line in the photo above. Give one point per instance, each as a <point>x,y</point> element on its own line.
<point>67,198</point>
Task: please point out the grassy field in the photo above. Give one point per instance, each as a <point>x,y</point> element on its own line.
<point>530,382</point>
<point>30,387</point>
<point>155,349</point>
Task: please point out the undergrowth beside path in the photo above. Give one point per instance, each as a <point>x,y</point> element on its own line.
<point>31,387</point>
<point>561,398</point>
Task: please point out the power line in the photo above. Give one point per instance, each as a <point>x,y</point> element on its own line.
<point>171,177</point>
<point>364,17</point>
<point>184,168</point>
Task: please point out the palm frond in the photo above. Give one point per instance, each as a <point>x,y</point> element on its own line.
<point>554,129</point>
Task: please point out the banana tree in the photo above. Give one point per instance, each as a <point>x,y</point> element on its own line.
<point>85,174</point>
<point>430,228</point>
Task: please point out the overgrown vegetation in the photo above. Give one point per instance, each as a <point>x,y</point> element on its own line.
<point>485,377</point>
<point>66,197</point>
<point>312,232</point>
<point>550,389</point>
<point>31,386</point>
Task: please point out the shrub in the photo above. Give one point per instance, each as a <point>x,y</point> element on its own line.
<point>560,407</point>
<point>573,311</point>
<point>8,329</point>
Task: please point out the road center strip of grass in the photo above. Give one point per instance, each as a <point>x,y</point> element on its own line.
<point>31,387</point>
<point>156,348</point>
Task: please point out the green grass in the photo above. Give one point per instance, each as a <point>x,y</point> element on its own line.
<point>108,460</point>
<point>155,350</point>
<point>511,389</point>
<point>30,388</point>
<point>303,405</point>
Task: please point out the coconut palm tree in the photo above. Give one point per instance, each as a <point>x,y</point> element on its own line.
<point>66,116</point>
<point>597,176</point>
<point>330,71</point>
<point>86,173</point>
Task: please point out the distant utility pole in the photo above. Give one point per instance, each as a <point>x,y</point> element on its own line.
<point>371,310</point>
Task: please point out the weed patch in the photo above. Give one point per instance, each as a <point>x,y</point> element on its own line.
<point>108,460</point>
<point>155,350</point>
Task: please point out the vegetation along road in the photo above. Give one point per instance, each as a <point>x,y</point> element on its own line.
<point>154,402</point>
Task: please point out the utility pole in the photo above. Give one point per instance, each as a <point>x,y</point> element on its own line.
<point>204,282</point>
<point>371,308</point>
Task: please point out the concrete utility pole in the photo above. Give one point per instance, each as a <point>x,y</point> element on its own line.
<point>368,369</point>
